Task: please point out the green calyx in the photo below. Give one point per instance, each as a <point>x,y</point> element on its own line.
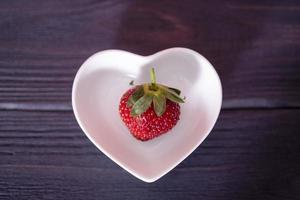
<point>152,93</point>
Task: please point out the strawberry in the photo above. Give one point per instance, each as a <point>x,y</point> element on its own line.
<point>150,109</point>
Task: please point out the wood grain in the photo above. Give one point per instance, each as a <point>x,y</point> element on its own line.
<point>253,151</point>
<point>44,155</point>
<point>254,45</point>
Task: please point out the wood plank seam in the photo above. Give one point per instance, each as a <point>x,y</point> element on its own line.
<point>233,104</point>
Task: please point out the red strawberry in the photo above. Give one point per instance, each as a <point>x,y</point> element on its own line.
<point>150,110</point>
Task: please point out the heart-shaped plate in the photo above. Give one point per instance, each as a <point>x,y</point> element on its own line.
<point>104,77</point>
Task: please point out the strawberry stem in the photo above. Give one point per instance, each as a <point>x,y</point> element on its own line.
<point>152,75</point>
<point>153,80</point>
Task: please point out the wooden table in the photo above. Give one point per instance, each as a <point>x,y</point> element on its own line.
<point>253,151</point>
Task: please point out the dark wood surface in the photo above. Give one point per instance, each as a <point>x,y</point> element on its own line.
<point>252,153</point>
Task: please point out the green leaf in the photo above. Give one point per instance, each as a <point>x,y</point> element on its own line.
<point>173,96</point>
<point>175,90</point>
<point>159,103</point>
<point>135,96</point>
<point>141,105</point>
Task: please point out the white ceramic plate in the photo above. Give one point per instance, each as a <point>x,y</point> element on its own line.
<point>105,76</point>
